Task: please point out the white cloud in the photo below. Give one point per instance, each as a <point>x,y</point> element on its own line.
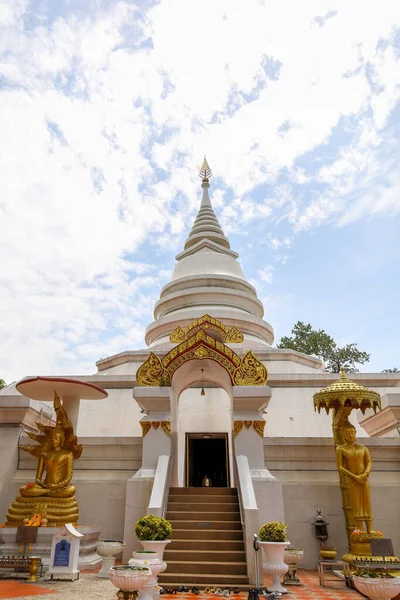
<point>266,273</point>
<point>90,108</point>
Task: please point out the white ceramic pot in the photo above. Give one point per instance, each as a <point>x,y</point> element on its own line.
<point>274,564</point>
<point>108,550</point>
<point>155,546</point>
<point>157,566</point>
<point>383,588</point>
<point>129,579</point>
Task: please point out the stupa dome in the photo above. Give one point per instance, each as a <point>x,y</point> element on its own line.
<point>208,278</point>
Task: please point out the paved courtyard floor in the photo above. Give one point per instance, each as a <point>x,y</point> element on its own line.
<point>89,587</point>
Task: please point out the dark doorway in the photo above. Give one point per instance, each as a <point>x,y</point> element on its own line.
<point>207,455</point>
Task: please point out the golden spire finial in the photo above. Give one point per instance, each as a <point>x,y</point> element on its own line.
<point>342,373</point>
<point>205,172</point>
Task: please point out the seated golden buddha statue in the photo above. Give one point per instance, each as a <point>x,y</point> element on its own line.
<point>52,497</point>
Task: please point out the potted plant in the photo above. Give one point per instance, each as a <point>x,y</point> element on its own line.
<point>153,533</point>
<point>376,585</point>
<point>273,542</point>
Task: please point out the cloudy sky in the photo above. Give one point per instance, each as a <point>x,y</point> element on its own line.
<point>106,110</point>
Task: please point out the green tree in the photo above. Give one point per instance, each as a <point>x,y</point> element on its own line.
<point>394,370</point>
<point>2,383</point>
<point>317,342</point>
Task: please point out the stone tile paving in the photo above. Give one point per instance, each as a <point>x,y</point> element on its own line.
<point>89,587</point>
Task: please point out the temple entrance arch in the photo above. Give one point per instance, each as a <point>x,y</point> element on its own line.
<point>196,416</point>
<point>201,358</point>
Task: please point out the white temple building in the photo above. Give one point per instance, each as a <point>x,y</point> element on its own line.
<point>217,400</point>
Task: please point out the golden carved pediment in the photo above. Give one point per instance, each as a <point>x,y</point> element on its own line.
<point>200,345</point>
<point>229,335</point>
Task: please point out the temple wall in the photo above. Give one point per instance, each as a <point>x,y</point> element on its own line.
<point>306,467</point>
<point>100,476</point>
<point>118,415</point>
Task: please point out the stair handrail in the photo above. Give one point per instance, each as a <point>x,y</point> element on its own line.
<point>248,510</point>
<point>159,494</point>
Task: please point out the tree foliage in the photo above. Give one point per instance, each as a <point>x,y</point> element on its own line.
<point>318,343</point>
<point>2,383</point>
<point>394,370</point>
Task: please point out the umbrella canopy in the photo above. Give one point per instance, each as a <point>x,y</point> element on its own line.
<point>346,393</point>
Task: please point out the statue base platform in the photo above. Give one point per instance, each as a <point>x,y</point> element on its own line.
<point>57,511</point>
<point>88,559</point>
<point>360,545</point>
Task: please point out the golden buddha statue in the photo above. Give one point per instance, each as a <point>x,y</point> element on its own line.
<point>354,463</point>
<point>54,497</point>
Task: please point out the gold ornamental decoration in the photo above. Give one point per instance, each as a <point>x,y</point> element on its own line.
<point>146,426</point>
<point>250,372</point>
<point>166,427</point>
<point>259,427</point>
<point>196,343</point>
<point>237,427</point>
<point>150,372</point>
<point>229,335</point>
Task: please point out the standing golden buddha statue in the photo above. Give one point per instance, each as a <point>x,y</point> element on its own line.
<point>353,459</point>
<point>53,497</point>
<point>354,463</point>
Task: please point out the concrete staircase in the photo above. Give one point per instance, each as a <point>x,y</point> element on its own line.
<point>207,547</point>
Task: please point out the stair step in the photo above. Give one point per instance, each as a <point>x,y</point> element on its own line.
<point>206,491</point>
<point>202,581</point>
<point>226,556</point>
<point>199,525</point>
<point>209,545</point>
<point>202,506</point>
<point>204,516</point>
<point>203,534</point>
<point>208,568</point>
<point>206,498</point>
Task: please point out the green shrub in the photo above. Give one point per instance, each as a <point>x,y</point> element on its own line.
<point>153,528</point>
<point>273,532</point>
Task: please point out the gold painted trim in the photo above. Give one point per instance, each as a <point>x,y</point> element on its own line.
<point>166,427</point>
<point>259,427</point>
<point>146,426</point>
<point>248,424</point>
<point>237,428</point>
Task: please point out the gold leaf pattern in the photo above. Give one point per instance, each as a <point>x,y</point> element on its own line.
<point>259,427</point>
<point>237,427</point>
<point>230,336</point>
<point>150,372</point>
<point>146,426</point>
<point>166,427</point>
<point>250,371</point>
<point>248,424</point>
<point>156,424</point>
<point>177,336</point>
<point>234,336</point>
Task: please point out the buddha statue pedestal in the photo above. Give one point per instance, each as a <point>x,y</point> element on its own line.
<point>57,511</point>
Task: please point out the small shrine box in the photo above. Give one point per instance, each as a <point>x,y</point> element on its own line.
<point>65,553</point>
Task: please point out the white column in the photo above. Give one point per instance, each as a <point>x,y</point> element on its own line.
<point>71,405</point>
